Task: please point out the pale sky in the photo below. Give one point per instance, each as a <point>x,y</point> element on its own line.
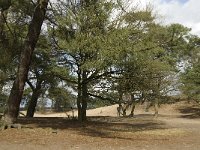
<point>186,12</point>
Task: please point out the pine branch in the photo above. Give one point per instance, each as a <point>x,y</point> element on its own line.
<point>103,98</point>
<point>31,85</point>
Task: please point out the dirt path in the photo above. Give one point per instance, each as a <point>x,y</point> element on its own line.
<point>177,127</point>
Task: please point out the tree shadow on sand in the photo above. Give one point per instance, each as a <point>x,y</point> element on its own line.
<point>190,112</point>
<point>103,127</point>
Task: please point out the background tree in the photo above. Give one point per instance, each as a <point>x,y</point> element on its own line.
<point>190,77</point>
<point>150,63</point>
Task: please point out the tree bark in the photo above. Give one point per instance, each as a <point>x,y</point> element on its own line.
<point>156,107</point>
<point>84,109</point>
<point>132,105</point>
<point>2,22</point>
<point>3,39</point>
<point>1,88</point>
<point>57,105</point>
<point>84,103</point>
<point>79,97</point>
<point>125,107</point>
<point>16,93</point>
<point>157,98</point>
<point>120,108</point>
<point>33,102</point>
<point>82,96</point>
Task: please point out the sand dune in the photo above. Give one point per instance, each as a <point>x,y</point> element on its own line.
<point>112,111</point>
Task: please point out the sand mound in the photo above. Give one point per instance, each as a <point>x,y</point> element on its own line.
<point>169,109</point>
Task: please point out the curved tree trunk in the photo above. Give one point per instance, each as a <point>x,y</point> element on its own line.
<point>34,29</point>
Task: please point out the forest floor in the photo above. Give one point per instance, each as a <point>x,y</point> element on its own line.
<point>177,127</point>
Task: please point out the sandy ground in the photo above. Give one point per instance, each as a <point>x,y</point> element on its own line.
<point>102,111</point>
<point>177,127</point>
<point>112,111</point>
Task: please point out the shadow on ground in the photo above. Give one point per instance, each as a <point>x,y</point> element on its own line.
<point>190,112</point>
<point>104,127</point>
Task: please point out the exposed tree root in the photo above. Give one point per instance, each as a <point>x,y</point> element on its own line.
<point>9,126</point>
<point>7,123</point>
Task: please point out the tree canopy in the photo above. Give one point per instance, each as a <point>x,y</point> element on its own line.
<point>98,49</point>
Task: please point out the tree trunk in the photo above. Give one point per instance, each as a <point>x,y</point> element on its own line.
<point>79,108</point>
<point>2,22</point>
<point>4,42</point>
<point>157,98</point>
<point>84,102</point>
<point>156,107</point>
<point>1,88</point>
<point>133,109</point>
<point>79,97</point>
<point>57,105</point>
<point>33,102</point>
<point>32,105</point>
<point>125,107</point>
<point>16,93</point>
<point>84,97</point>
<point>119,108</point>
<point>132,105</point>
